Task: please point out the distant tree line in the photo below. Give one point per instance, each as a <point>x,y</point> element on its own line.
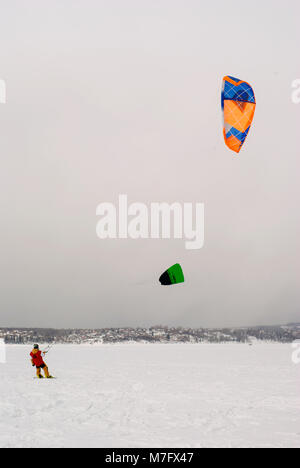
<point>159,333</point>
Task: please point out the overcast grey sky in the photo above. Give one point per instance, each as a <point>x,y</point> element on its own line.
<point>111,97</point>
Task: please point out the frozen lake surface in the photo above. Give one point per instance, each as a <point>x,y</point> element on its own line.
<point>152,396</point>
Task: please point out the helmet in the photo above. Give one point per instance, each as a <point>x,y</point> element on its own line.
<point>36,346</point>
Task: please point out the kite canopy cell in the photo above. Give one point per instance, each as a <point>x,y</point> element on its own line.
<point>238,105</point>
<point>173,275</point>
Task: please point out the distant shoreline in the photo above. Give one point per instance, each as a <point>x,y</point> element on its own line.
<point>152,335</point>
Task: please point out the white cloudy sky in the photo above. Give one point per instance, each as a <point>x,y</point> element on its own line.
<point>110,97</point>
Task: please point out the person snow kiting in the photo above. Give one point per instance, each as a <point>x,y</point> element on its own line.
<point>38,362</point>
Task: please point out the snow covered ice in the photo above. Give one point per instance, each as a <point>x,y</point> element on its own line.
<point>152,396</point>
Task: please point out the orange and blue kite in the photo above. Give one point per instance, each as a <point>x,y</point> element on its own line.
<point>238,105</point>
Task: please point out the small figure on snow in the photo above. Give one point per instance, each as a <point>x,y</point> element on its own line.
<point>38,362</point>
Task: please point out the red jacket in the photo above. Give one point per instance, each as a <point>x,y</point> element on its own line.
<point>36,357</point>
